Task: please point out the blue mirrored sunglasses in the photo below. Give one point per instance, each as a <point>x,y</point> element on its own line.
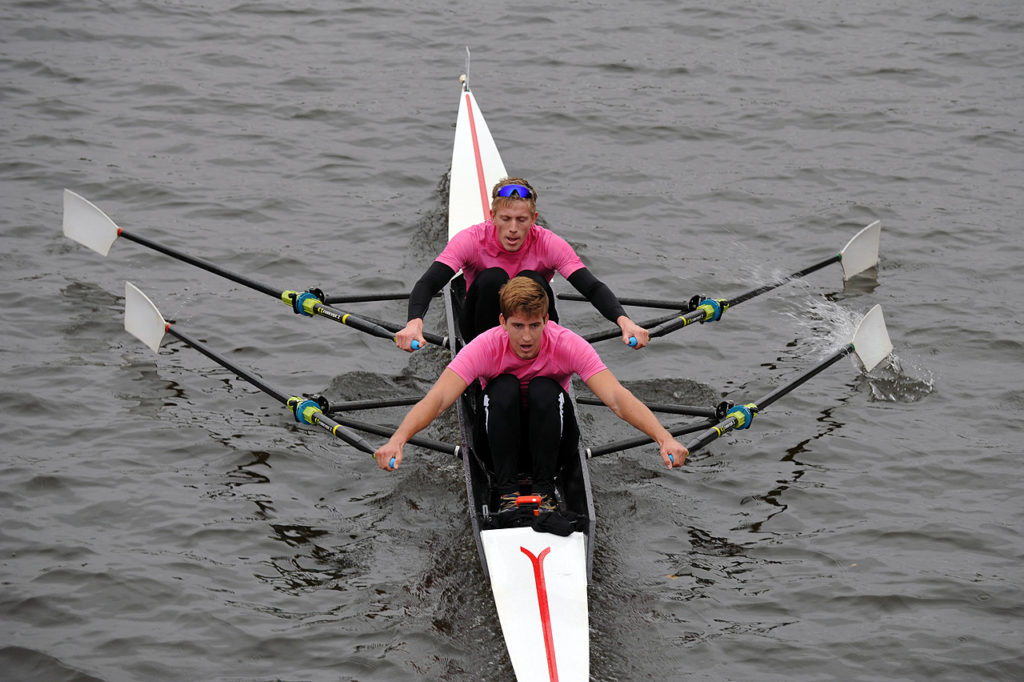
<point>514,191</point>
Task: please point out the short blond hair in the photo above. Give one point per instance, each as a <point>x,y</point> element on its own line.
<point>503,202</point>
<point>522,295</point>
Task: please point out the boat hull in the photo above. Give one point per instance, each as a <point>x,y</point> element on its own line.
<point>539,579</point>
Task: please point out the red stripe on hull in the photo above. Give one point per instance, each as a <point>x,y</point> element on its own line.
<point>545,610</point>
<point>485,204</point>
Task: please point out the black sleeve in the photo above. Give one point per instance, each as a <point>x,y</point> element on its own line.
<point>598,293</point>
<point>429,284</point>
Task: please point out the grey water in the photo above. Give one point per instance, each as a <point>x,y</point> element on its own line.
<point>163,520</point>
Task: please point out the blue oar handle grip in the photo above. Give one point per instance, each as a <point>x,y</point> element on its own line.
<point>632,342</point>
<point>392,463</point>
<point>415,344</point>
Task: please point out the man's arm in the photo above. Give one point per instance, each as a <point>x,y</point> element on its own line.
<point>439,398</point>
<point>419,300</point>
<point>602,298</point>
<point>628,407</point>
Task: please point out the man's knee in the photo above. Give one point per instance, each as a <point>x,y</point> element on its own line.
<point>544,393</point>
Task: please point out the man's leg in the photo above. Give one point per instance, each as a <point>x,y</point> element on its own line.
<point>546,405</point>
<point>539,279</point>
<point>481,310</point>
<point>502,421</point>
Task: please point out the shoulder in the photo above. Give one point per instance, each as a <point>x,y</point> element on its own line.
<point>486,343</point>
<point>554,244</point>
<point>566,337</point>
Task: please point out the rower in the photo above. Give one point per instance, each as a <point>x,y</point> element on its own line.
<point>508,244</point>
<point>525,365</point>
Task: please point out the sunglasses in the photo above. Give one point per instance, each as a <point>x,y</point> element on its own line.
<point>514,191</point>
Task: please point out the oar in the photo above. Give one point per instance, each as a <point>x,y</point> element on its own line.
<point>91,227</point>
<point>618,446</point>
<point>363,298</point>
<point>870,345</point>
<point>688,410</point>
<point>387,431</point>
<point>859,254</point>
<point>143,321</point>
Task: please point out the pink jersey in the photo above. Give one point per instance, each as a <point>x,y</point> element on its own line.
<point>477,248</point>
<point>562,354</point>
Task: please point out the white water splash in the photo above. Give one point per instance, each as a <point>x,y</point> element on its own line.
<point>828,325</point>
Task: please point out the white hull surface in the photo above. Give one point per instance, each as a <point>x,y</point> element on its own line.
<point>539,580</point>
<point>476,167</point>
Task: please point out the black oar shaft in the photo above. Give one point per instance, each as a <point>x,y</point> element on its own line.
<point>688,410</point>
<point>387,431</point>
<point>394,327</point>
<point>336,315</point>
<point>274,393</point>
<point>617,446</point>
<point>200,263</point>
<point>730,423</point>
<point>336,429</point>
<point>641,302</point>
<point>679,322</point>
<point>320,419</point>
<point>354,405</point>
<point>352,321</point>
<point>364,298</point>
<point>674,322</point>
<point>616,333</point>
<point>814,371</point>
<point>778,283</point>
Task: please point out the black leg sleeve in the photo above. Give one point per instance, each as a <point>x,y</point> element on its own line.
<point>482,310</point>
<point>546,413</point>
<point>502,417</point>
<point>539,279</point>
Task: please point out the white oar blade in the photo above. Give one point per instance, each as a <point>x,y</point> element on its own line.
<point>871,342</point>
<point>87,224</point>
<point>141,318</point>
<point>861,252</point>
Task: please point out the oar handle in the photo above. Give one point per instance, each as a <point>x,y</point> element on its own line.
<point>613,333</point>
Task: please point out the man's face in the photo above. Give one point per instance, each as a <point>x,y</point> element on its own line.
<point>513,222</point>
<point>524,333</point>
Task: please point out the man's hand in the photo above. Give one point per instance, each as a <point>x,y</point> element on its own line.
<point>678,452</point>
<point>387,452</point>
<point>632,329</point>
<point>413,331</point>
